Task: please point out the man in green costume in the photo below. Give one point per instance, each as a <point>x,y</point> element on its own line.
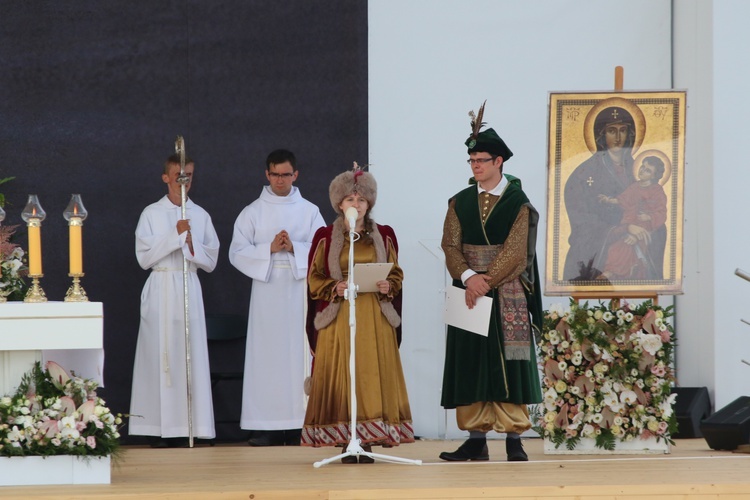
<point>489,240</point>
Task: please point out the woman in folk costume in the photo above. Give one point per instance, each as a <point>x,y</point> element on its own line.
<point>383,413</point>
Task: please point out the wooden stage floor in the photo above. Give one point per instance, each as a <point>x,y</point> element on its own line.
<point>691,471</point>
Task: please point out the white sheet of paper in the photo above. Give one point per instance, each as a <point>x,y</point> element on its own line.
<point>367,275</point>
<point>458,314</point>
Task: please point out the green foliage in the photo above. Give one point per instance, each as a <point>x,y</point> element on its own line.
<point>2,196</point>
<point>606,440</point>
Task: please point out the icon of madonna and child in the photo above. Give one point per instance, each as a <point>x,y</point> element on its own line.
<point>616,204</point>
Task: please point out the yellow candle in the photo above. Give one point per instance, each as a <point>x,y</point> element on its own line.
<point>35,249</point>
<point>76,246</point>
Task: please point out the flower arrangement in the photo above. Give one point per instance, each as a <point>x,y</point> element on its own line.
<point>53,413</point>
<point>607,374</point>
<point>12,268</point>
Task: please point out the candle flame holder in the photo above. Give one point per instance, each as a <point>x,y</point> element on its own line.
<point>75,214</point>
<point>33,214</point>
<point>76,293</point>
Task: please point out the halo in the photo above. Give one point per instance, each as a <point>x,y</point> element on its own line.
<point>653,152</point>
<point>627,104</point>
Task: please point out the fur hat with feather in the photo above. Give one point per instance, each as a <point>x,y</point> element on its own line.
<point>357,180</point>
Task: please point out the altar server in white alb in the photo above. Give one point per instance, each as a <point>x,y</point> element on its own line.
<point>270,244</point>
<point>159,404</point>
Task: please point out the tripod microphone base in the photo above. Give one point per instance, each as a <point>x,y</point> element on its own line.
<point>355,450</point>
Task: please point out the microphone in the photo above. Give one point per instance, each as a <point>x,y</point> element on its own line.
<point>351,217</point>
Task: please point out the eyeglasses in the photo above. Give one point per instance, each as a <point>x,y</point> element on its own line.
<point>281,176</point>
<point>478,161</point>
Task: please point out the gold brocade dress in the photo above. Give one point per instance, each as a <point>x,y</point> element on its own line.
<point>383,413</point>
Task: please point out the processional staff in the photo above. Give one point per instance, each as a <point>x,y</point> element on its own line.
<point>183,180</point>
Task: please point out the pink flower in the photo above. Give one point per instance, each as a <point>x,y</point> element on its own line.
<point>649,322</point>
<point>663,426</point>
<point>552,370</point>
<point>642,397</point>
<point>562,418</point>
<point>91,442</point>
<point>58,374</point>
<point>665,336</point>
<point>68,405</point>
<point>50,428</point>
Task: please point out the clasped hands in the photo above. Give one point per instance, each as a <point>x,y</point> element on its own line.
<point>282,242</point>
<point>476,286</point>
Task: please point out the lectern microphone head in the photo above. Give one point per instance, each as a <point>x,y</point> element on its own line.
<point>351,217</point>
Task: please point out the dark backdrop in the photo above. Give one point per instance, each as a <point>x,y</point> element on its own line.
<point>93,94</point>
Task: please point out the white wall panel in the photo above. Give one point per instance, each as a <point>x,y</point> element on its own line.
<point>430,62</point>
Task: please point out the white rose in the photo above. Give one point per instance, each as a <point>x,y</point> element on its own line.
<point>650,343</point>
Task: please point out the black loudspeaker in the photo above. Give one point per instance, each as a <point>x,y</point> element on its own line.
<point>729,427</point>
<point>691,406</point>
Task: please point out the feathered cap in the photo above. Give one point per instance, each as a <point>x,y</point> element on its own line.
<point>487,141</point>
<point>357,180</point>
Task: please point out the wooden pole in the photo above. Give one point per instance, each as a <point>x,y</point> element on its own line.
<point>618,78</point>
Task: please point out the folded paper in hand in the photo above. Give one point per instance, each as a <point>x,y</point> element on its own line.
<point>458,314</point>
<point>366,276</point>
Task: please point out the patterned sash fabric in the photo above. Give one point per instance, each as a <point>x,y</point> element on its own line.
<point>479,257</point>
<point>513,308</point>
<point>514,314</point>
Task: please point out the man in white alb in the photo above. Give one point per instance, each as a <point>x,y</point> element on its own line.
<point>158,405</point>
<point>270,244</point>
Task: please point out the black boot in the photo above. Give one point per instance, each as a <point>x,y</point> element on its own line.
<point>172,442</point>
<point>266,438</point>
<point>292,437</point>
<point>157,442</point>
<point>472,449</point>
<point>514,449</point>
<point>364,459</point>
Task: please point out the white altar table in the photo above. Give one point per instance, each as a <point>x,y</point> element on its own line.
<point>69,333</point>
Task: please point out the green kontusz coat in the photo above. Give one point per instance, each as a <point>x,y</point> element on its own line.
<point>475,366</point>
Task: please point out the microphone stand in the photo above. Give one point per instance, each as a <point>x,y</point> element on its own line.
<point>354,448</point>
<point>745,276</point>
